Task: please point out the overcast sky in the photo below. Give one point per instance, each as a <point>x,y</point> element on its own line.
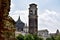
<point>48,13</point>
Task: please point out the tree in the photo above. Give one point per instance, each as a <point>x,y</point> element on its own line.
<point>28,37</point>
<point>20,37</point>
<point>58,37</point>
<point>37,38</point>
<point>49,39</point>
<point>40,38</point>
<point>53,38</point>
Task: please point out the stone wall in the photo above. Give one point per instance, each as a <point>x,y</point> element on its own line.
<point>7,24</point>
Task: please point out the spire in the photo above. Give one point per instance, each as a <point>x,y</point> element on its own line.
<point>19,19</point>
<point>57,31</point>
<point>19,24</point>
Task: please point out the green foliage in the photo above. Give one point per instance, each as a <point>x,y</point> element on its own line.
<point>40,38</point>
<point>28,37</point>
<point>20,37</point>
<point>49,39</point>
<point>53,38</point>
<point>37,38</point>
<point>58,37</point>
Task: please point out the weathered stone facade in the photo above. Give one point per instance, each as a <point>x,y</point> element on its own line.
<point>33,19</point>
<point>9,29</point>
<point>7,24</point>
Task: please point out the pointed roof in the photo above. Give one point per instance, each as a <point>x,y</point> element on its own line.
<point>19,20</point>
<point>57,31</point>
<point>19,24</point>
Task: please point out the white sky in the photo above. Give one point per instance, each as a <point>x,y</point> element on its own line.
<point>48,13</point>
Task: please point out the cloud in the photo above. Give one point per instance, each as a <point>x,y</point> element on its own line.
<point>46,20</point>
<point>12,5</point>
<point>49,20</point>
<point>23,15</point>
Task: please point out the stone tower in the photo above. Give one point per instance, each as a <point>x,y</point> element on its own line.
<point>33,19</point>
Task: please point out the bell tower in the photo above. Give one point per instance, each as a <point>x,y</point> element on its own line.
<point>33,19</point>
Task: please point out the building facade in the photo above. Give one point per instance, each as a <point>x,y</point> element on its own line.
<point>33,19</point>
<point>44,34</point>
<point>8,31</point>
<point>26,29</point>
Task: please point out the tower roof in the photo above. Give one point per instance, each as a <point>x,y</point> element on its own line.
<point>57,31</point>
<point>33,4</point>
<point>19,20</point>
<point>19,17</point>
<point>19,24</point>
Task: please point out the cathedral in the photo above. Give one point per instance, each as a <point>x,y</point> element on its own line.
<point>19,25</point>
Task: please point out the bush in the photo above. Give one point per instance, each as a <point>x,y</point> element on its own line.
<point>49,39</point>
<point>40,38</point>
<point>58,37</point>
<point>37,38</point>
<point>28,37</point>
<point>20,37</point>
